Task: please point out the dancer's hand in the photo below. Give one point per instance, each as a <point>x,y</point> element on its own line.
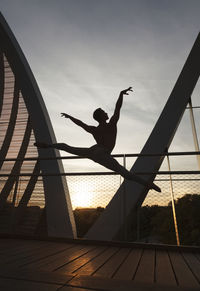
<point>65,115</point>
<point>125,92</point>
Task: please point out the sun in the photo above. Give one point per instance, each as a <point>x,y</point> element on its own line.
<point>82,195</point>
<point>81,199</point>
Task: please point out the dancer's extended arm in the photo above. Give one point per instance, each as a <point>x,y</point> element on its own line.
<point>118,105</point>
<point>78,122</point>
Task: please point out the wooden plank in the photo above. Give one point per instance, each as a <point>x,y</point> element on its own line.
<point>76,264</point>
<point>109,268</point>
<point>64,258</point>
<point>129,266</point>
<point>93,265</point>
<point>183,274</point>
<point>27,244</point>
<point>37,276</point>
<point>12,244</point>
<point>67,288</point>
<point>47,250</point>
<point>33,252</point>
<point>21,249</point>
<point>100,283</point>
<point>44,258</point>
<point>25,251</point>
<point>145,271</point>
<point>194,264</point>
<point>19,285</point>
<point>12,253</point>
<point>163,272</point>
<point>197,255</point>
<point>42,253</point>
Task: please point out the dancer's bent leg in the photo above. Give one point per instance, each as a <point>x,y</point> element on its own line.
<point>64,147</point>
<point>109,162</point>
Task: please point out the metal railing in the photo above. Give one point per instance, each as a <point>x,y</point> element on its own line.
<point>175,187</point>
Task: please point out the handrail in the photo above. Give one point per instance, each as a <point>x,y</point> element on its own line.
<point>115,156</point>
<point>100,173</point>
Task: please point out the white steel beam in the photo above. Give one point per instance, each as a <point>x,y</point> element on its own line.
<point>108,226</point>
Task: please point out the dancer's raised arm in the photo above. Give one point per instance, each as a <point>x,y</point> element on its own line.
<point>78,122</point>
<point>118,105</point>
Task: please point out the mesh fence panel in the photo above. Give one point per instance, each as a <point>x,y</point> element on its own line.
<point>153,221</point>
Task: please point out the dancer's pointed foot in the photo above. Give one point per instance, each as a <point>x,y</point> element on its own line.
<point>42,145</point>
<point>155,187</point>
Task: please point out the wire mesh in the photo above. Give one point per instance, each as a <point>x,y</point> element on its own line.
<point>154,221</point>
<point>92,191</point>
<point>151,222</point>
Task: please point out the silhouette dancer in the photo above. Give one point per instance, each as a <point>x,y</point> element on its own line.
<point>105,136</point>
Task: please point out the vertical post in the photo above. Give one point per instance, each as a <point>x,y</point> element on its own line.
<point>124,202</point>
<point>194,131</point>
<point>138,223</point>
<point>15,191</point>
<point>121,210</point>
<point>13,204</point>
<point>173,204</point>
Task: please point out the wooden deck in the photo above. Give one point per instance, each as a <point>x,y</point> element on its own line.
<point>78,266</point>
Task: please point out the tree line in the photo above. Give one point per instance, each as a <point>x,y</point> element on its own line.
<point>154,223</point>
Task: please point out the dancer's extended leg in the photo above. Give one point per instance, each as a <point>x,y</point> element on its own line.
<point>84,152</point>
<point>109,162</point>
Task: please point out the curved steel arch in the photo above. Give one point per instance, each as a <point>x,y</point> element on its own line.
<point>59,215</point>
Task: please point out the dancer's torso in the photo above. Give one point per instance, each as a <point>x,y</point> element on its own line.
<point>105,135</point>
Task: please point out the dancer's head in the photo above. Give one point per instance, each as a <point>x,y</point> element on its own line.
<point>100,115</point>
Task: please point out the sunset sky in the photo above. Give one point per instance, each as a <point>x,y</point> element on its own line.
<point>83,52</point>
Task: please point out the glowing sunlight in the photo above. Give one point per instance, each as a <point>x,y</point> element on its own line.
<point>82,195</point>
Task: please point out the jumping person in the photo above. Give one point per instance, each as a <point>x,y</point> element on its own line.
<point>105,136</point>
